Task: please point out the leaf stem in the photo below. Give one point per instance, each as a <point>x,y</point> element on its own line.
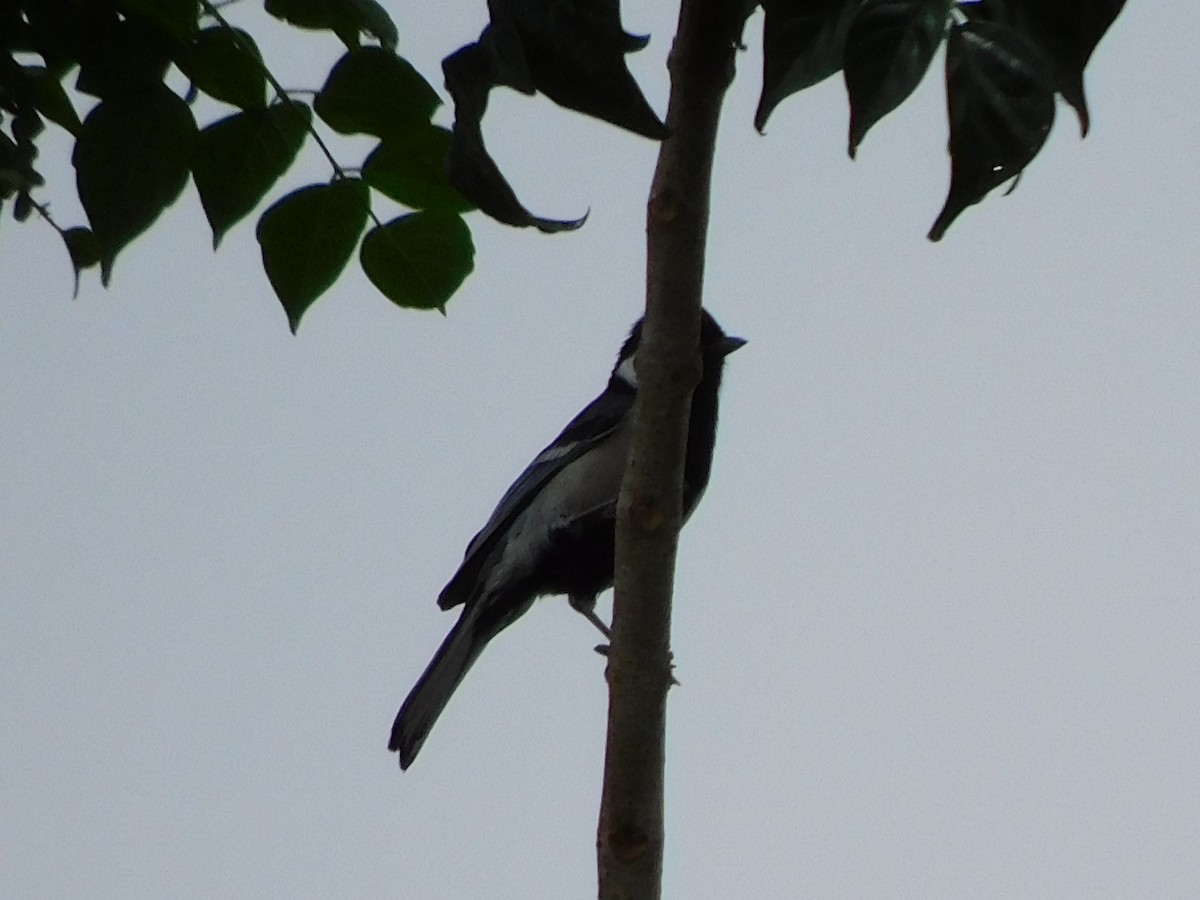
<point>44,211</point>
<point>281,93</point>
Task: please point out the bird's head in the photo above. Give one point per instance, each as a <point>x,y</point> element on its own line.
<point>715,345</point>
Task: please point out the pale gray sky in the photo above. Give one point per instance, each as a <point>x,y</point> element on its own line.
<point>937,618</point>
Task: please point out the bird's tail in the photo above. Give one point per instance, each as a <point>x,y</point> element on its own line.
<point>428,698</point>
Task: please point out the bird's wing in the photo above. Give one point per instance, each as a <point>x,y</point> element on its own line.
<point>598,420</point>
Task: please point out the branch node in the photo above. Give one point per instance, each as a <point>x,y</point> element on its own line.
<point>648,515</point>
<point>628,845</point>
<point>664,207</point>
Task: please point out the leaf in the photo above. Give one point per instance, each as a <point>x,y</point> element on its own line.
<point>469,77</point>
<point>239,158</point>
<point>307,238</point>
<point>1067,31</point>
<point>12,163</point>
<point>131,162</point>
<point>373,91</point>
<point>226,64</point>
<point>178,17</point>
<point>888,48</point>
<point>84,250</point>
<point>346,18</point>
<point>27,124</point>
<point>412,170</point>
<point>1000,101</point>
<point>125,55</point>
<point>46,93</point>
<point>420,259</point>
<point>62,36</point>
<point>375,20</point>
<point>802,46</point>
<point>312,14</point>
<point>23,206</point>
<point>573,51</point>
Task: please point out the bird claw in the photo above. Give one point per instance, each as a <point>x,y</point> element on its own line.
<point>603,650</point>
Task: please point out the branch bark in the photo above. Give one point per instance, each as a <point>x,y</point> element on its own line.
<point>630,834</point>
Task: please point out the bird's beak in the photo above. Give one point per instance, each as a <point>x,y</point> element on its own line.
<point>729,344</point>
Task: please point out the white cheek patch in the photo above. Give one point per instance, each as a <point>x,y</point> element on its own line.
<point>626,373</point>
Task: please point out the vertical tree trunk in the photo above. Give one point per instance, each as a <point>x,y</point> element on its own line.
<point>630,833</point>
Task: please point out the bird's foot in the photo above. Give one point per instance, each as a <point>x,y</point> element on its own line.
<point>603,650</point>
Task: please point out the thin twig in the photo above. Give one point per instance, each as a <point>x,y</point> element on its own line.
<point>211,9</point>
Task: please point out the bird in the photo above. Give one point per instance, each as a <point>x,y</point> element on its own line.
<point>553,530</point>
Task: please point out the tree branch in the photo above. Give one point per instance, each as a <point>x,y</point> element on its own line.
<point>630,833</point>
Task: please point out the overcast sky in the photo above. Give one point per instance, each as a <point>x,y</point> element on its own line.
<point>937,623</point>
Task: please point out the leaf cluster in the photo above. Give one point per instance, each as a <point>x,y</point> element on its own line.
<point>137,142</point>
<point>1005,61</point>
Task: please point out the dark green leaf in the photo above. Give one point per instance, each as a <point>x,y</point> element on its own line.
<point>373,91</point>
<point>307,238</point>
<point>46,93</point>
<point>12,164</point>
<point>125,55</point>
<point>239,158</point>
<point>420,259</point>
<point>1067,31</point>
<point>27,124</point>
<point>888,48</point>
<point>376,21</point>
<point>63,34</point>
<point>1000,101</point>
<point>178,17</point>
<point>346,18</point>
<point>131,162</point>
<point>470,168</point>
<point>314,14</point>
<point>574,53</point>
<point>802,45</point>
<point>83,249</point>
<point>225,64</point>
<point>23,206</point>
<point>412,170</point>
<point>16,162</point>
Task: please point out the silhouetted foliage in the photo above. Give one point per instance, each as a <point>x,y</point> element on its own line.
<point>137,141</point>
